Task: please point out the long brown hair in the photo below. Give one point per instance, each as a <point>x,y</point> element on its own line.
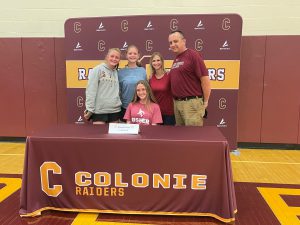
<point>138,63</point>
<point>150,97</point>
<point>161,59</point>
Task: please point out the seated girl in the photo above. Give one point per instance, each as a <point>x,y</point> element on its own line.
<point>143,108</point>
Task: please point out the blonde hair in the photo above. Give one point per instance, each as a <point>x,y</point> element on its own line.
<point>138,63</point>
<point>149,98</point>
<point>116,50</point>
<point>161,59</point>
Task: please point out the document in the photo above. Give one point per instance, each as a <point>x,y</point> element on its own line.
<point>123,128</point>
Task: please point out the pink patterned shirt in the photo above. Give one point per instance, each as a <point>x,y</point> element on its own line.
<point>138,113</point>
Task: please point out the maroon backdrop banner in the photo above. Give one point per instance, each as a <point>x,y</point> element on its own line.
<point>217,37</point>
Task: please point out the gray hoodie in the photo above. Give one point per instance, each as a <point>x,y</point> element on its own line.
<point>102,91</point>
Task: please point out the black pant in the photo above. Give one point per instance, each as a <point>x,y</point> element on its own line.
<point>122,114</point>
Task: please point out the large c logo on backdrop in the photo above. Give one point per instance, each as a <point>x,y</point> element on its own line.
<point>217,37</point>
<point>124,25</point>
<point>173,24</point>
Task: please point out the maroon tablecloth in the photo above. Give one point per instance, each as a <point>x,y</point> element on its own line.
<point>163,170</point>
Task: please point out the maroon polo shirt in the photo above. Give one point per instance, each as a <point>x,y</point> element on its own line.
<point>187,69</point>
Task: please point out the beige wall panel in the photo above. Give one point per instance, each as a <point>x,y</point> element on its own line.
<point>32,18</point>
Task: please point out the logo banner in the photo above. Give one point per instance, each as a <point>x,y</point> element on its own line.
<point>217,37</point>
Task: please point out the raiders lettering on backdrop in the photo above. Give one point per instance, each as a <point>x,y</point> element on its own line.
<point>216,74</point>
<point>83,73</point>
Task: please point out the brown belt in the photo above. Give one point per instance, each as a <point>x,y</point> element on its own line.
<point>187,98</point>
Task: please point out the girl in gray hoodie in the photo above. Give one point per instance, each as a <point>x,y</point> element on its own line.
<point>103,104</point>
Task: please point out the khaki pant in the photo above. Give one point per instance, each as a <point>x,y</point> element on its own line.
<point>189,112</point>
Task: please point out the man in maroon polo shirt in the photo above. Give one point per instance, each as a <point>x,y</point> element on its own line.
<point>190,84</point>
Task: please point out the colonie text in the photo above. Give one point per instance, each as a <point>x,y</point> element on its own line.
<point>93,182</point>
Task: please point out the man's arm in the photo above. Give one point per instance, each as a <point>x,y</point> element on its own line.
<point>206,88</point>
